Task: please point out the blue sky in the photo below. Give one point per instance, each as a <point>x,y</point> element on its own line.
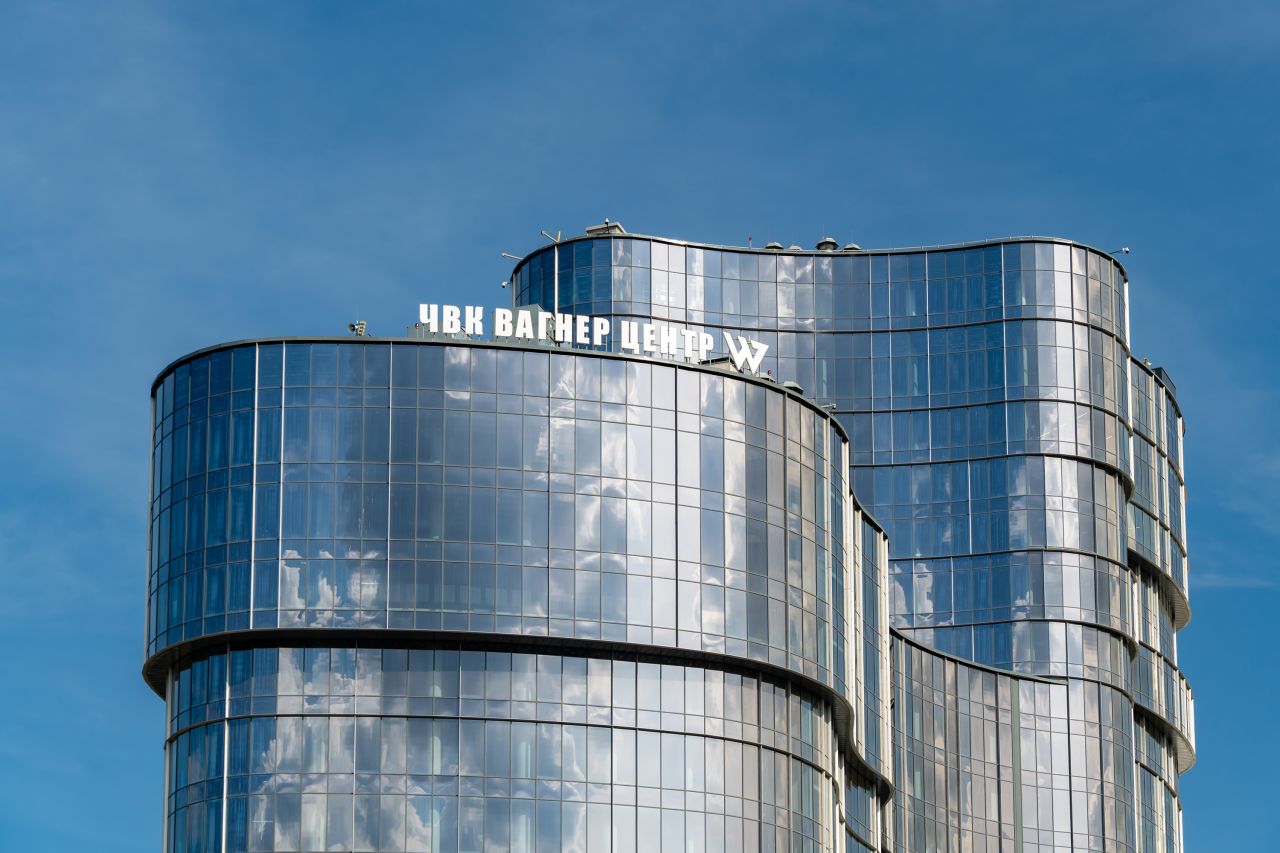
<point>173,175</point>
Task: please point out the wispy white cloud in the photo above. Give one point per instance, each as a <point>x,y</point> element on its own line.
<point>1217,580</point>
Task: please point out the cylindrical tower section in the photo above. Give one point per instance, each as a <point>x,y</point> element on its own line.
<point>1026,468</point>
<point>459,596</point>
<point>985,392</point>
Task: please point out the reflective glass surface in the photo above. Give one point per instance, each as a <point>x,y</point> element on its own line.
<point>1026,468</point>
<point>450,749</point>
<point>325,488</point>
<point>497,490</point>
<point>450,595</point>
<point>989,761</point>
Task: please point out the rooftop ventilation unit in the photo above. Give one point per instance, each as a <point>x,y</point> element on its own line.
<point>607,229</point>
<point>723,362</point>
<point>852,247</point>
<point>1163,378</point>
<point>794,248</point>
<point>793,387</point>
<point>773,245</point>
<point>827,244</point>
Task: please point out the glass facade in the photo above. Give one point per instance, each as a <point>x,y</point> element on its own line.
<point>1026,468</point>
<point>991,761</point>
<point>353,748</point>
<point>459,596</point>
<point>452,595</point>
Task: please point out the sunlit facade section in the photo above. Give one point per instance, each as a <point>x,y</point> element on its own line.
<point>1025,466</point>
<point>459,596</point>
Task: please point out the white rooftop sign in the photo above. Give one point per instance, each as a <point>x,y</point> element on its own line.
<point>585,330</point>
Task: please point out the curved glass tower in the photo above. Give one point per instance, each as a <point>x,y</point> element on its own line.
<point>452,596</point>
<point>916,587</point>
<point>1027,470</point>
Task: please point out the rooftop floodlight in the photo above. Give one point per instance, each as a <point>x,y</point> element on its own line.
<point>516,258</point>
<point>1123,250</point>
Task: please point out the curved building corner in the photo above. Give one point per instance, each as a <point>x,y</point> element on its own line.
<point>1027,469</point>
<point>461,596</point>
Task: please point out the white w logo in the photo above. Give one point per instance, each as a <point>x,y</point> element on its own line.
<point>745,353</point>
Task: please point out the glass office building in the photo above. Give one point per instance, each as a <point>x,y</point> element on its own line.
<point>461,596</point>
<point>1028,472</point>
<point>437,594</point>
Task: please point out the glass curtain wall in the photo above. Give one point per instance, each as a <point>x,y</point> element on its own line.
<point>374,499</point>
<point>1026,468</point>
